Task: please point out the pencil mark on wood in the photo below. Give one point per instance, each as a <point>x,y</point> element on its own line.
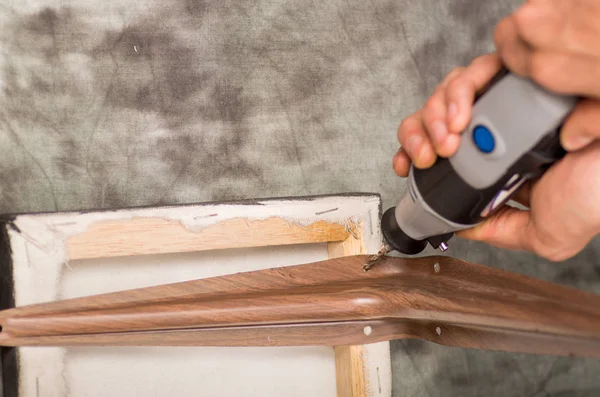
<point>204,216</point>
<point>326,211</point>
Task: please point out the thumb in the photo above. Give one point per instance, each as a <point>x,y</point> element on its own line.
<point>508,228</point>
<point>581,127</point>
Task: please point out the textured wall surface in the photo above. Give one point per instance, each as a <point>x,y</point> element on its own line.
<point>118,103</point>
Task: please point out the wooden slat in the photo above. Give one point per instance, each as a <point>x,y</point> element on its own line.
<point>349,360</point>
<point>350,371</point>
<point>441,299</point>
<point>334,333</point>
<point>310,334</point>
<point>144,236</point>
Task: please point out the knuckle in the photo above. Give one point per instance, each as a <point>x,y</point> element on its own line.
<point>405,127</point>
<point>579,121</point>
<point>548,70</point>
<point>455,87</point>
<point>548,248</point>
<point>457,70</point>
<point>501,32</point>
<point>430,102</point>
<point>454,73</point>
<point>540,69</point>
<point>485,63</point>
<point>402,125</point>
<point>528,17</point>
<point>539,248</point>
<point>521,20</point>
<point>497,37</point>
<point>480,61</point>
<point>431,106</point>
<point>556,256</point>
<point>401,129</point>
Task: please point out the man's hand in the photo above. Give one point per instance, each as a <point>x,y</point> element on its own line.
<point>554,43</point>
<point>557,44</point>
<point>563,215</point>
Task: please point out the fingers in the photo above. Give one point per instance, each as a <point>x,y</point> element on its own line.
<point>513,229</point>
<point>509,228</point>
<point>461,91</point>
<point>582,126</point>
<point>513,51</point>
<point>553,43</point>
<point>565,73</point>
<point>434,119</point>
<point>434,130</point>
<point>540,24</point>
<point>401,163</point>
<point>415,141</point>
<point>558,25</point>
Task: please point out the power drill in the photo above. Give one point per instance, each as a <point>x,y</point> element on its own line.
<point>513,137</point>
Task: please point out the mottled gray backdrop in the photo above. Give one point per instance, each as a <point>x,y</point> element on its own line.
<point>118,103</point>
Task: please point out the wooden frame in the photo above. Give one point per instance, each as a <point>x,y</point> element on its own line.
<point>330,302</point>
<point>346,223</point>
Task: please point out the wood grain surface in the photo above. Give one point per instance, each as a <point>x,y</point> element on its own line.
<point>142,236</point>
<point>453,303</point>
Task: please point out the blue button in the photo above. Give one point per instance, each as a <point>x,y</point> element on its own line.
<point>483,138</point>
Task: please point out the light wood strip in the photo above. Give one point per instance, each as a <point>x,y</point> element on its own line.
<point>143,236</point>
<point>350,371</point>
<point>349,360</point>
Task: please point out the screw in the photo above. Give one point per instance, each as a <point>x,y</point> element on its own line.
<point>436,267</point>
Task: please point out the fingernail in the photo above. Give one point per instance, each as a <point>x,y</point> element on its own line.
<point>414,145</point>
<point>577,142</point>
<point>439,132</point>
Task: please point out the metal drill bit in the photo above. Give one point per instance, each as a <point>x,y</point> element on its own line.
<point>385,249</point>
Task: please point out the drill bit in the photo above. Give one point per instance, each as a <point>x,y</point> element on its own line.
<point>385,249</point>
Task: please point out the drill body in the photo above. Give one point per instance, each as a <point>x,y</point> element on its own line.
<point>513,137</point>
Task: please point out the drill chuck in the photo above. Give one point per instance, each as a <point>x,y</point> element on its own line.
<point>395,238</point>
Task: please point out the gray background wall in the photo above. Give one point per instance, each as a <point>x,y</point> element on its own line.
<point>118,103</point>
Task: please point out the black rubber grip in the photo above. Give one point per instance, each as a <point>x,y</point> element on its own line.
<point>455,200</point>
